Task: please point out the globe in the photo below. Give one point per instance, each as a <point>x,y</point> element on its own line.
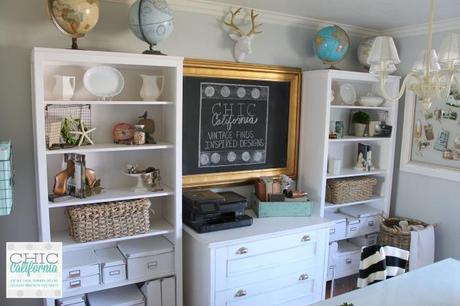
<point>74,17</point>
<point>331,44</point>
<point>364,50</point>
<point>151,21</point>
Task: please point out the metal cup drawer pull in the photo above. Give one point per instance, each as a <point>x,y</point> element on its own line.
<point>152,265</point>
<point>305,238</point>
<point>241,293</point>
<point>303,276</point>
<point>75,284</point>
<point>241,251</point>
<point>74,273</point>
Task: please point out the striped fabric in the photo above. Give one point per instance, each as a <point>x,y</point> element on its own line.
<point>381,262</point>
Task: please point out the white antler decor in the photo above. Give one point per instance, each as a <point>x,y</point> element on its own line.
<point>242,41</point>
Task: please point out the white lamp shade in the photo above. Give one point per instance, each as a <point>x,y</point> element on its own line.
<point>383,50</point>
<point>450,49</point>
<point>420,64</point>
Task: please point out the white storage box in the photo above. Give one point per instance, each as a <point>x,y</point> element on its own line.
<point>121,296</point>
<point>150,257</point>
<point>78,300</point>
<point>80,269</point>
<point>168,291</point>
<point>369,220</point>
<point>346,259</point>
<point>338,230</point>
<point>366,240</point>
<point>113,266</point>
<point>152,292</point>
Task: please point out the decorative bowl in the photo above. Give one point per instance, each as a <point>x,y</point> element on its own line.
<point>372,101</point>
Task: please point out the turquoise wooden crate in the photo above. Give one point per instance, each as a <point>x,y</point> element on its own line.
<point>283,209</point>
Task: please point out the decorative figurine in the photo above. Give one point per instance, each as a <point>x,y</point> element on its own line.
<point>149,128</point>
<point>123,133</point>
<point>243,41</point>
<point>84,134</point>
<point>147,180</point>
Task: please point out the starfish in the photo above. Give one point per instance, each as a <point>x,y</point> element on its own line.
<point>84,134</point>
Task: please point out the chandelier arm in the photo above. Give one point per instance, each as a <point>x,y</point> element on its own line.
<point>401,91</point>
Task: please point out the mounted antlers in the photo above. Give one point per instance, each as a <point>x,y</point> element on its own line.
<point>243,41</point>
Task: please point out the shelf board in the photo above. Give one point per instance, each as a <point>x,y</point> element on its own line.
<point>97,102</point>
<point>110,195</point>
<point>328,205</point>
<point>101,287</point>
<point>382,108</point>
<point>157,227</point>
<point>111,147</point>
<point>354,138</point>
<point>350,172</point>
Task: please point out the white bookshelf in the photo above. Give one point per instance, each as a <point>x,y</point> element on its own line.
<point>318,111</point>
<point>109,159</point>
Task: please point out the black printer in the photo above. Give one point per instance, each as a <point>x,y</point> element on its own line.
<point>207,211</point>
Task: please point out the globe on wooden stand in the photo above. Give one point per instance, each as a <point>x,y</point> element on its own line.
<point>74,18</point>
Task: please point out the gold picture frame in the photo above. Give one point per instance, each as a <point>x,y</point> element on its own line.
<point>256,72</point>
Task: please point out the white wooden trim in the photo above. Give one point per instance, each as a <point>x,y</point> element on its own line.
<point>422,29</point>
<point>407,165</point>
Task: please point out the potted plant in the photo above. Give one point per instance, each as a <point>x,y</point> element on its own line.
<point>360,121</point>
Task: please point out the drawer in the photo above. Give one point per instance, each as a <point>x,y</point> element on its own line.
<point>299,286</point>
<point>338,231</point>
<point>113,274</point>
<point>346,259</point>
<point>83,282</point>
<point>366,240</point>
<point>363,226</point>
<point>271,245</point>
<point>79,272</point>
<point>151,266</point>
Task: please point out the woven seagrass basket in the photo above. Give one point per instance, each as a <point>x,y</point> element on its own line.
<point>393,237</point>
<point>108,220</point>
<point>350,189</point>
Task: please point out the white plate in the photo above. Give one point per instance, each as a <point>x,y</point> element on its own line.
<point>104,82</point>
<point>348,94</point>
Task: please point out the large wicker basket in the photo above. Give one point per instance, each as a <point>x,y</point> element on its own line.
<point>350,189</point>
<point>393,237</point>
<point>108,220</point>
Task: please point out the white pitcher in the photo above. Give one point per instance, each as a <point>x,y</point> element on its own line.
<point>152,87</point>
<point>64,87</point>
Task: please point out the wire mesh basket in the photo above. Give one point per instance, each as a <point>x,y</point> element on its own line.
<point>57,113</point>
<point>6,178</point>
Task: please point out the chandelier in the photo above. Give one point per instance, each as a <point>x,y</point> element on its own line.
<point>431,78</point>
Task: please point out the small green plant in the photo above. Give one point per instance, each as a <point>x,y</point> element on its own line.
<point>361,117</point>
<point>347,304</point>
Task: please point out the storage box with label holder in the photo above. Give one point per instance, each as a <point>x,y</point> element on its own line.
<point>160,292</point>
<point>369,218</point>
<point>366,240</point>
<point>150,257</point>
<point>78,300</point>
<point>80,269</point>
<point>301,207</point>
<point>338,230</point>
<point>113,266</point>
<point>344,259</point>
<point>121,296</point>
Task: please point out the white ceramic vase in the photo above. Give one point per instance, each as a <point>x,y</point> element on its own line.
<point>152,87</point>
<point>64,87</point>
<point>359,129</point>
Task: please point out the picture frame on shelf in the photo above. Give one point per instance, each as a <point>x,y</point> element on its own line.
<point>241,121</point>
<point>418,152</point>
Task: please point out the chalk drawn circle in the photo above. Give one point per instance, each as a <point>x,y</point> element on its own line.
<point>257,156</point>
<point>246,156</point>
<point>209,91</point>
<point>225,92</point>
<point>215,158</point>
<point>255,93</point>
<point>241,92</point>
<point>231,156</point>
<point>204,159</point>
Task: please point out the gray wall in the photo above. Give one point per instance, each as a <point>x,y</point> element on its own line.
<point>24,24</point>
<point>432,200</point>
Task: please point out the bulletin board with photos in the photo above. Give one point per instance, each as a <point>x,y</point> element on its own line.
<point>436,133</point>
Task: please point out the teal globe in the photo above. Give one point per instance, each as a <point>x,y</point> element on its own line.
<point>151,21</point>
<point>331,44</point>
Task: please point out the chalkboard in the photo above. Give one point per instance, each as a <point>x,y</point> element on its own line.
<point>233,125</point>
<point>240,121</point>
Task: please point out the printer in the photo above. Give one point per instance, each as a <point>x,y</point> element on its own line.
<point>207,211</point>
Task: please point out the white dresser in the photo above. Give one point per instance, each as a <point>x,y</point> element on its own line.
<point>276,261</point>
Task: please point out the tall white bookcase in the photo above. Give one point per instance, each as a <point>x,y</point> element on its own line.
<point>321,105</point>
<point>105,157</point>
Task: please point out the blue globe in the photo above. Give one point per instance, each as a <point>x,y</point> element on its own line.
<point>331,44</point>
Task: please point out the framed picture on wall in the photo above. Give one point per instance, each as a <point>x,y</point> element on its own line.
<point>431,139</point>
<point>240,121</point>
